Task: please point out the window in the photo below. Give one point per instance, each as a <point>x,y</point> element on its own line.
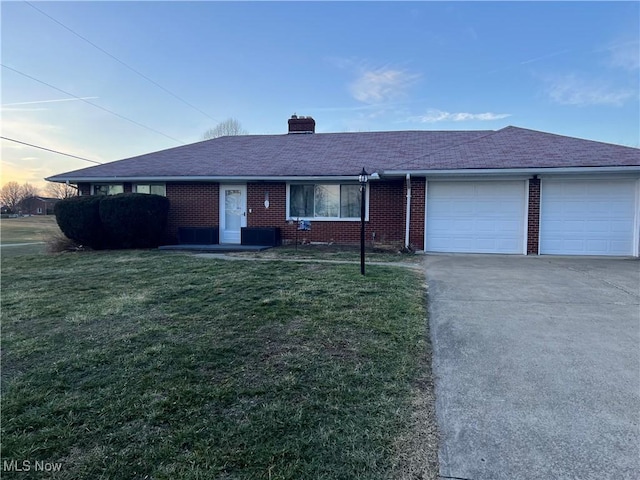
<point>153,188</point>
<point>107,188</point>
<point>324,201</point>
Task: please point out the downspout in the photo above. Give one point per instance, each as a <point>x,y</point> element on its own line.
<point>408,215</point>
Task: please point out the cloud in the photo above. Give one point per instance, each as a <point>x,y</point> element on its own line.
<point>55,100</point>
<point>382,85</point>
<point>625,55</point>
<point>23,163</point>
<point>21,109</point>
<point>544,57</point>
<point>573,90</point>
<point>434,116</point>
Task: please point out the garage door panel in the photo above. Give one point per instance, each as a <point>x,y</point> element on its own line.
<point>598,227</point>
<point>621,226</point>
<point>485,226</point>
<point>622,246</point>
<point>587,217</point>
<point>460,207</point>
<point>475,217</point>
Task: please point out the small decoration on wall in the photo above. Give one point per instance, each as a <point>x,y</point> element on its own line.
<point>304,225</point>
<point>266,199</point>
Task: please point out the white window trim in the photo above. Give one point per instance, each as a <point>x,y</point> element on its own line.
<point>93,185</point>
<point>134,187</point>
<point>328,219</point>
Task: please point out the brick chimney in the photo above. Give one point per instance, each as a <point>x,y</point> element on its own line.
<point>301,124</point>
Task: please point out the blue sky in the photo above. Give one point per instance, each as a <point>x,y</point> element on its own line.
<point>570,68</point>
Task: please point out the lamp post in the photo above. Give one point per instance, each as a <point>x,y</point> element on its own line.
<point>364,176</point>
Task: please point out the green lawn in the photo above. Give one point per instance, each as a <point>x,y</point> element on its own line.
<point>26,230</point>
<point>335,252</point>
<point>161,366</point>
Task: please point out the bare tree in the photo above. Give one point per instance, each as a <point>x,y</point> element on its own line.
<point>229,127</point>
<point>27,190</point>
<point>11,195</point>
<point>61,190</point>
<point>28,202</point>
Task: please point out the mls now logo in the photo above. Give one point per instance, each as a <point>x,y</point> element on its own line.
<point>28,465</point>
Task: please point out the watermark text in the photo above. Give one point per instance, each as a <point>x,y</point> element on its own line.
<point>30,466</point>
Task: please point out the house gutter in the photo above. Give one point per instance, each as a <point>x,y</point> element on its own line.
<point>217,178</point>
<point>512,171</point>
<point>408,215</point>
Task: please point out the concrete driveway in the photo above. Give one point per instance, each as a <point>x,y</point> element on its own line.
<point>537,366</point>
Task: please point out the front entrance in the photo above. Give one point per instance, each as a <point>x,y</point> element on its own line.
<point>233,212</point>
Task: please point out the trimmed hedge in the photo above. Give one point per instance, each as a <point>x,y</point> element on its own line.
<point>134,220</point>
<point>127,220</point>
<point>79,220</point>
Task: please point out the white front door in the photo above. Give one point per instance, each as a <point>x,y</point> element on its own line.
<point>233,212</point>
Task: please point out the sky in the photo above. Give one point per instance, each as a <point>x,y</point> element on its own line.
<point>570,68</point>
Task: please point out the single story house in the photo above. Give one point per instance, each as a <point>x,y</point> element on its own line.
<point>513,190</point>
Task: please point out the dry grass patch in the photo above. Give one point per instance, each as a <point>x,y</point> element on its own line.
<point>146,365</point>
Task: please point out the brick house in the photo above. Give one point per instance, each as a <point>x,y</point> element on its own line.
<point>37,205</point>
<point>512,190</point>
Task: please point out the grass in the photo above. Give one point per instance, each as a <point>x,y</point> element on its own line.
<point>26,230</point>
<point>335,252</point>
<point>156,366</point>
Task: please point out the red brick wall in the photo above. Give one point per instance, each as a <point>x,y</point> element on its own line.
<point>416,221</point>
<point>192,205</point>
<point>533,227</point>
<point>196,205</point>
<point>386,220</point>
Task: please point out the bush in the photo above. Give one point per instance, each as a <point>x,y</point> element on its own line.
<point>79,220</point>
<point>127,220</point>
<point>134,220</point>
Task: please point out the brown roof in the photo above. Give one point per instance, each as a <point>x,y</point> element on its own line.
<point>514,147</point>
<point>345,154</point>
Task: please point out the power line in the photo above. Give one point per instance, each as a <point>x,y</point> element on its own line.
<point>93,104</point>
<point>50,150</point>
<point>122,63</point>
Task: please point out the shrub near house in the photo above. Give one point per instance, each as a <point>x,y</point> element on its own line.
<point>128,220</point>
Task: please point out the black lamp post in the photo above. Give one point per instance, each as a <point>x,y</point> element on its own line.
<point>364,176</point>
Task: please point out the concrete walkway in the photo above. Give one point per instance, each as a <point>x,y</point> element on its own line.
<point>537,366</point>
<point>20,244</point>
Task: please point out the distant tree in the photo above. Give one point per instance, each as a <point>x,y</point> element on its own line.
<point>29,202</point>
<point>11,195</point>
<point>27,190</point>
<point>229,127</point>
<point>61,190</point>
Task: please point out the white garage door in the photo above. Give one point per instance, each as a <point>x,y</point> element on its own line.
<point>587,217</point>
<point>475,217</point>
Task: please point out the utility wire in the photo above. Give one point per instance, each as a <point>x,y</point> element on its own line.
<point>50,150</point>
<point>93,104</point>
<point>123,63</point>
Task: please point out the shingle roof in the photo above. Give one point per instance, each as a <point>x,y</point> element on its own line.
<point>514,147</point>
<point>338,154</point>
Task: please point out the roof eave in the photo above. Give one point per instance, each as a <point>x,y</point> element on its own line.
<point>213,178</point>
<point>512,171</point>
